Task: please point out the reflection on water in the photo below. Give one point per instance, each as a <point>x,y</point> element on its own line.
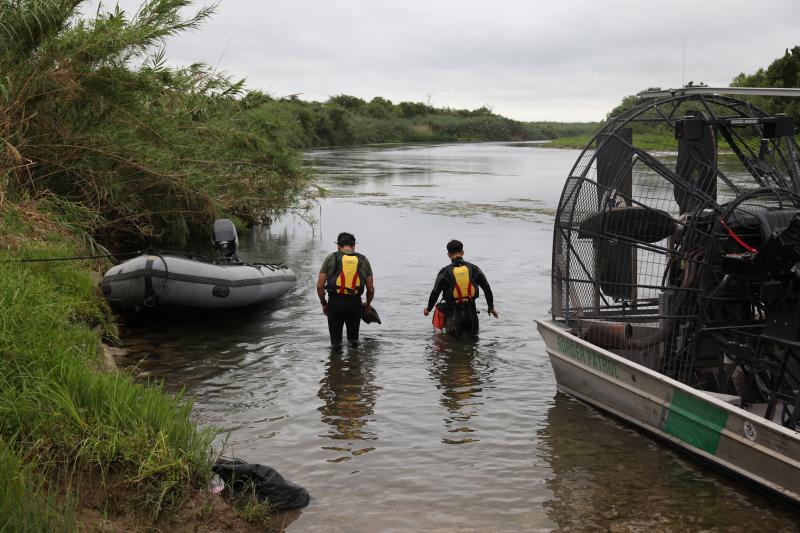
<point>416,431</point>
<point>607,476</point>
<point>462,373</point>
<point>349,392</point>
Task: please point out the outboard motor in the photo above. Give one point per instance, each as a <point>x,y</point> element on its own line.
<point>225,239</point>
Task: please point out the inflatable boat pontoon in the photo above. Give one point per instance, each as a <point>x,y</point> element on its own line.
<point>174,279</point>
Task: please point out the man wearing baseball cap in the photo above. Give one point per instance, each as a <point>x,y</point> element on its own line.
<point>344,276</point>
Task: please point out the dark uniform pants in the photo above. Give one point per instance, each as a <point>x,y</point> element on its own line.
<point>462,319</point>
<point>343,310</point>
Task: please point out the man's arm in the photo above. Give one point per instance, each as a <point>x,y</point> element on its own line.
<point>438,286</point>
<point>483,283</point>
<point>365,272</point>
<point>370,292</point>
<point>321,280</point>
<point>328,266</point>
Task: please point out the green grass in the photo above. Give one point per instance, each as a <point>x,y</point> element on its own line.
<point>60,418</point>
<point>572,141</point>
<point>645,141</point>
<point>24,504</point>
<point>249,507</point>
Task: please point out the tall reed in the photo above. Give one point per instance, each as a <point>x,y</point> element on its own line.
<point>90,113</point>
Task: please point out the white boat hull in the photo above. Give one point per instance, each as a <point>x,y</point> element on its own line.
<point>765,453</point>
<point>169,280</point>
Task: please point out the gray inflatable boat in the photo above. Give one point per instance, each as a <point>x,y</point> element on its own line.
<point>170,279</point>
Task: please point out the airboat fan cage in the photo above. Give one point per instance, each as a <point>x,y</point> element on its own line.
<point>657,240</point>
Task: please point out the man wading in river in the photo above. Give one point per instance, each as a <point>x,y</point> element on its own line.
<point>344,276</point>
<point>458,282</point>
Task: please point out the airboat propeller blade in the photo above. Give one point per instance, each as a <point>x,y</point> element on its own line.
<point>635,223</point>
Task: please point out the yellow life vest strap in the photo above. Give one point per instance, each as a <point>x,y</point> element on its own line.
<point>348,281</point>
<point>464,290</point>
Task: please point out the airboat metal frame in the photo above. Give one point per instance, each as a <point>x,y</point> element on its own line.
<point>656,383</point>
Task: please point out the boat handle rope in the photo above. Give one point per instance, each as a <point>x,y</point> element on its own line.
<point>150,295</point>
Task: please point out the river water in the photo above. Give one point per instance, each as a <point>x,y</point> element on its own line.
<point>412,431</point>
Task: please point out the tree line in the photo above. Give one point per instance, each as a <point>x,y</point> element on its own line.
<point>349,120</point>
<point>782,72</point>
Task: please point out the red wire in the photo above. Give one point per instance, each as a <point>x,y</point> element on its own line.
<point>737,238</point>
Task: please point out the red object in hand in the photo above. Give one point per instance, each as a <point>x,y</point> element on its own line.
<point>438,318</point>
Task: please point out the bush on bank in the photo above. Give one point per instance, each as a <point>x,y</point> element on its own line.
<point>100,141</point>
<point>64,424</point>
<point>90,113</point>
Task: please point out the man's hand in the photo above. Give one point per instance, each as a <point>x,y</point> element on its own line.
<point>365,308</point>
<point>426,311</point>
<point>493,313</point>
<point>325,309</point>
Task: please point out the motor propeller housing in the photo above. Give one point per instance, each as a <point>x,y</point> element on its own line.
<point>225,238</point>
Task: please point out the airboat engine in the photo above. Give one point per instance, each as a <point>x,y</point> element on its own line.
<point>225,239</point>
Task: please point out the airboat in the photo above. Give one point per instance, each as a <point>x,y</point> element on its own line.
<point>676,279</point>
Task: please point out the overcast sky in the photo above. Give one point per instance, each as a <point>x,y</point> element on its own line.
<point>566,60</point>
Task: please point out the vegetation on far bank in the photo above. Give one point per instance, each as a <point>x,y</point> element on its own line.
<point>784,71</point>
<point>349,120</point>
<point>645,141</point>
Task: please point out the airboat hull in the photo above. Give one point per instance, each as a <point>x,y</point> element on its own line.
<point>712,429</point>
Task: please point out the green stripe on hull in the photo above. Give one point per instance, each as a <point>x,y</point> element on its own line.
<point>695,422</point>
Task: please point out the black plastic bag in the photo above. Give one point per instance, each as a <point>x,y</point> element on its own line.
<point>267,482</point>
